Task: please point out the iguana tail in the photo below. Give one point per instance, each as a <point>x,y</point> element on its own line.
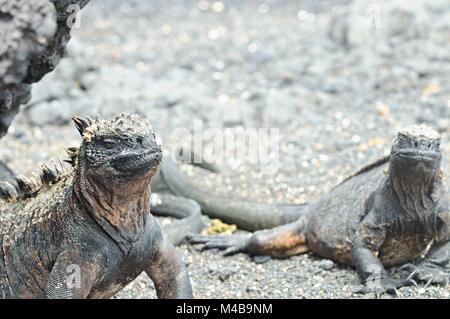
<point>186,210</point>
<point>245,214</point>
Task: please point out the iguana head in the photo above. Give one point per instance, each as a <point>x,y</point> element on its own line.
<point>117,151</point>
<point>417,148</point>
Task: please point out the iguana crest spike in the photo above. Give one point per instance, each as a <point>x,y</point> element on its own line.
<point>73,155</point>
<point>81,124</point>
<point>51,174</point>
<point>7,191</point>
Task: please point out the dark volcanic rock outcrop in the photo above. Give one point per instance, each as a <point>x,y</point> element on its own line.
<point>33,38</point>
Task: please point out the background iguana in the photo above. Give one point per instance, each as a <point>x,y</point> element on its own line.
<point>390,213</point>
<point>94,218</point>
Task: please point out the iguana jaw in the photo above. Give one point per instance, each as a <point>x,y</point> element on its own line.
<point>419,155</point>
<point>138,163</point>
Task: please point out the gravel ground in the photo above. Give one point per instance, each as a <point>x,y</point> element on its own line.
<point>336,92</point>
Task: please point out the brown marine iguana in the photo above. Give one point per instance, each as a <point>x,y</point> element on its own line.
<point>93,221</point>
<point>390,213</point>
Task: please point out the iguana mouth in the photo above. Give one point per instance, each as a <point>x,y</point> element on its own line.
<point>418,155</point>
<point>133,163</point>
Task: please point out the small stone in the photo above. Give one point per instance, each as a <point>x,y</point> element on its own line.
<point>251,289</point>
<point>383,109</point>
<point>326,264</point>
<point>318,271</point>
<point>261,259</point>
<point>224,277</point>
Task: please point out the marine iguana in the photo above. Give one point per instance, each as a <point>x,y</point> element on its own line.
<point>393,212</point>
<point>87,232</point>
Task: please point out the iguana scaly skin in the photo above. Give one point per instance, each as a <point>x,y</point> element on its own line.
<point>88,232</point>
<point>391,213</point>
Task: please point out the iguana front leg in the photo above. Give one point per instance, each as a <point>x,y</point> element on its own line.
<point>280,242</point>
<point>372,273</point>
<point>365,246</point>
<point>168,272</point>
<point>72,277</point>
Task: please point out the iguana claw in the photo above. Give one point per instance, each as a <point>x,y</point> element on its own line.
<point>384,285</point>
<point>231,244</point>
<point>426,274</point>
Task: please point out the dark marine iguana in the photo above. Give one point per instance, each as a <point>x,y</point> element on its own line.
<point>393,212</point>
<point>93,221</point>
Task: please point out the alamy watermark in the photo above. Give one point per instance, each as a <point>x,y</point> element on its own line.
<point>374,16</point>
<point>74,18</point>
<point>73,277</point>
<point>254,146</point>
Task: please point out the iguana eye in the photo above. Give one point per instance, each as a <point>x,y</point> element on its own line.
<point>109,143</point>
